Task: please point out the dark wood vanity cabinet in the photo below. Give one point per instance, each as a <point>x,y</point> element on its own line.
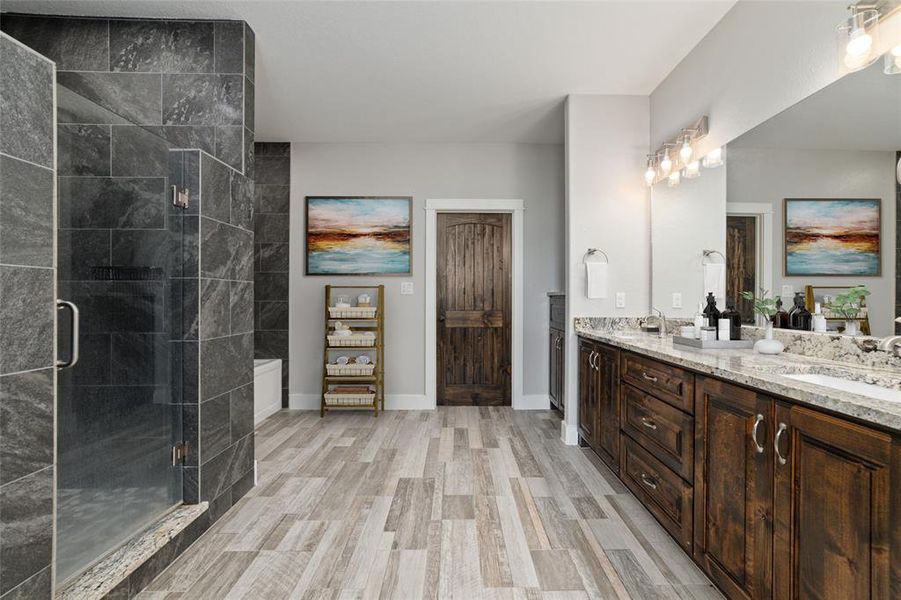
<point>557,352</point>
<point>772,499</point>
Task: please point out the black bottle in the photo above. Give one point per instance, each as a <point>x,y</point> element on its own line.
<point>780,319</point>
<point>799,318</point>
<point>734,321</point>
<point>711,312</point>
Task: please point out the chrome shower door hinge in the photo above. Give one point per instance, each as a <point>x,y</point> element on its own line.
<point>179,453</point>
<point>180,198</point>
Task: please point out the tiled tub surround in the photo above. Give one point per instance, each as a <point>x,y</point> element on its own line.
<point>191,81</point>
<point>765,373</point>
<point>27,296</point>
<point>271,253</point>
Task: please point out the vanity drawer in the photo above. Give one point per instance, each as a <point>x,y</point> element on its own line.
<point>667,383</point>
<point>661,491</point>
<point>558,312</point>
<point>666,432</point>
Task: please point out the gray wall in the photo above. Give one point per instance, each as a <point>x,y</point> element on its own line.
<point>27,295</point>
<point>772,174</point>
<point>271,265</point>
<point>897,248</point>
<point>532,172</point>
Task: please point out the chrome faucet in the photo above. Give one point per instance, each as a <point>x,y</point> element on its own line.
<point>661,320</point>
<point>891,344</point>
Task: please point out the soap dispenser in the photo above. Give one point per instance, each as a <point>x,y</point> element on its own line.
<point>734,318</point>
<point>780,319</point>
<point>700,320</point>
<point>800,318</point>
<point>711,312</point>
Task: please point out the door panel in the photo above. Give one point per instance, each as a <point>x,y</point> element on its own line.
<point>474,308</point>
<point>587,397</point>
<point>607,394</point>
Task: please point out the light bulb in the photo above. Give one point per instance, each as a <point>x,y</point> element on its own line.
<point>686,151</point>
<point>673,179</point>
<point>666,165</point>
<point>714,158</point>
<point>859,43</point>
<point>896,51</point>
<point>650,175</point>
<point>692,170</point>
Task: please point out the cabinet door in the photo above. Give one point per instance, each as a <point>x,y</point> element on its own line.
<point>832,504</point>
<point>607,392</point>
<point>553,375</point>
<point>561,372</point>
<point>587,398</point>
<point>734,487</point>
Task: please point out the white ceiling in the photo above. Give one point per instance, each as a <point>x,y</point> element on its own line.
<point>436,71</point>
<point>860,111</point>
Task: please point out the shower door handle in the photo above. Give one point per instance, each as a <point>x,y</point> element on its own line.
<point>73,332</point>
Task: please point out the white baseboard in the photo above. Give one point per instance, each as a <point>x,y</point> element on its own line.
<point>392,402</point>
<point>532,402</point>
<point>569,434</point>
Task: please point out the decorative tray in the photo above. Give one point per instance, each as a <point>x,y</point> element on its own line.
<point>713,344</point>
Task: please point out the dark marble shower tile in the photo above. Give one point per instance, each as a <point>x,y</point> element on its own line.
<point>226,251</point>
<point>120,203</point>
<point>139,152</point>
<point>215,422</point>
<point>273,170</point>
<point>214,308</point>
<point>249,52</point>
<point>225,364</point>
<point>184,309</point>
<point>26,212</point>
<point>191,483</point>
<point>271,227</point>
<point>26,104</point>
<point>26,527</point>
<point>215,473</point>
<point>203,99</point>
<point>229,36</point>
<point>248,168</point>
<point>26,318</point>
<point>188,136</point>
<point>241,412</point>
<point>190,431</point>
<point>185,234</point>
<point>230,146</point>
<point>132,97</point>
<point>242,199</point>
<point>270,287</point>
<point>270,344</point>
<point>215,181</point>
<point>273,148</point>
<point>138,359</point>
<point>274,258</point>
<point>81,250</point>
<point>249,117</point>
<point>184,171</point>
<point>243,459</point>
<point>121,306</point>
<point>273,316</point>
<point>184,358</point>
<point>274,198</point>
<point>161,46</point>
<point>241,299</point>
<point>73,44</point>
<point>94,362</point>
<point>26,423</point>
<point>37,586</point>
<point>155,248</point>
<point>83,150</point>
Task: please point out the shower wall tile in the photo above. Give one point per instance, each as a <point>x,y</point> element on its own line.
<point>107,203</point>
<point>26,423</point>
<point>80,250</point>
<point>225,364</point>
<point>84,150</point>
<point>143,247</point>
<point>242,190</point>
<point>215,423</point>
<point>73,44</point>
<point>241,309</point>
<point>161,46</point>
<point>191,99</point>
<point>249,52</point>
<point>216,314</point>
<point>272,169</point>
<point>249,105</point>
<point>229,56</point>
<point>270,287</point>
<point>138,152</point>
<point>26,318</point>
<point>26,122</point>
<point>274,258</point>
<point>230,146</point>
<point>241,412</point>
<point>215,179</point>
<point>39,585</point>
<point>26,213</point>
<point>226,251</point>
<point>129,97</point>
<point>271,227</point>
<point>26,527</point>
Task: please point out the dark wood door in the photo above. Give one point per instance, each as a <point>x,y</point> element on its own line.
<point>587,397</point>
<point>832,504</point>
<point>734,487</point>
<point>474,308</point>
<point>607,395</point>
<point>555,375</point>
<point>741,262</point>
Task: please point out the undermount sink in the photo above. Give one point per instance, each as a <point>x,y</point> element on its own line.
<point>847,385</point>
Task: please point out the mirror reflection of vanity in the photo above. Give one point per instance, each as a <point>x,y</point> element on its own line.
<point>804,202</point>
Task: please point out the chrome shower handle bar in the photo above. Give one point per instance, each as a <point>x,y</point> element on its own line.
<point>73,332</point>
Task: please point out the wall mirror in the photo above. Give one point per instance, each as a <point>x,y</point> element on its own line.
<point>807,202</point>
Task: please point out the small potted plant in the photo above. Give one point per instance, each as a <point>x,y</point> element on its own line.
<point>765,307</point>
<point>849,305</point>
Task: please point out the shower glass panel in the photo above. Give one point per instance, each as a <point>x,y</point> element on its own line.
<point>120,260</point>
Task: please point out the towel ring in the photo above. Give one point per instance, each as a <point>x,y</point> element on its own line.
<point>708,253</point>
<point>591,252</point>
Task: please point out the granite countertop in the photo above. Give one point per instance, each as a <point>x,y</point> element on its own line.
<point>766,373</point>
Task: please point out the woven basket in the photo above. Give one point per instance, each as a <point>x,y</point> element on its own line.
<point>351,312</point>
<point>349,370</point>
<point>332,399</point>
<point>347,341</point>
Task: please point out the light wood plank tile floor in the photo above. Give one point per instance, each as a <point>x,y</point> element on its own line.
<point>464,502</point>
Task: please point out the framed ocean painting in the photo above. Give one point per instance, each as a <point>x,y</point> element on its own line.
<point>832,237</point>
<point>358,235</point>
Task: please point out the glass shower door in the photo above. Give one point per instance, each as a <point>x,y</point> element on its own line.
<point>119,412</point>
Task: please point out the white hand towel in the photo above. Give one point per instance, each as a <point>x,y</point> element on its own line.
<point>596,278</point>
<point>715,281</point>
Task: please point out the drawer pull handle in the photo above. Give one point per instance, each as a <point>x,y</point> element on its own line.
<point>649,378</point>
<point>648,481</point>
<point>648,423</point>
<point>757,421</point>
<point>779,431</point>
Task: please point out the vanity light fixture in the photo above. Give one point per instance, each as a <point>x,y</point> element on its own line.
<point>686,151</point>
<point>713,159</point>
<point>674,178</point>
<point>676,154</point>
<point>692,170</point>
<point>650,175</point>
<point>666,163</point>
<point>857,36</point>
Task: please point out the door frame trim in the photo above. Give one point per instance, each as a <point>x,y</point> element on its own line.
<point>515,207</point>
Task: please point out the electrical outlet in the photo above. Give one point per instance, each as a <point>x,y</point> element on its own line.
<point>620,299</point>
<point>406,288</point>
<point>677,300</point>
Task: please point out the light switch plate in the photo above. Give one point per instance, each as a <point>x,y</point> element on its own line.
<point>406,288</point>
<point>677,300</point>
<point>620,299</point>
